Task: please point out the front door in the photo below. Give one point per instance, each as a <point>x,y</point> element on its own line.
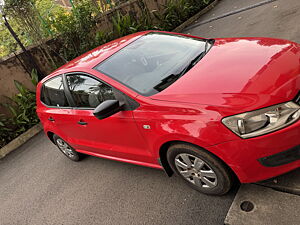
<point>116,136</point>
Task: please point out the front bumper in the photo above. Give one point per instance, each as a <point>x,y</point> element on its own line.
<point>263,157</point>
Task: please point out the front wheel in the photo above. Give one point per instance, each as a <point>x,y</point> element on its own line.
<point>199,169</point>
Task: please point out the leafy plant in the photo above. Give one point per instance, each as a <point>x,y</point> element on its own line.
<point>23,115</point>
<point>123,25</point>
<point>23,109</point>
<point>129,23</point>
<point>76,29</point>
<point>34,77</point>
<point>5,130</point>
<point>102,37</point>
<point>177,11</point>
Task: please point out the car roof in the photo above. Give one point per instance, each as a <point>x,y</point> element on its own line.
<point>93,57</point>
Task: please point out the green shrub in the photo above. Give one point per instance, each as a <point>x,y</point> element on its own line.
<point>177,11</point>
<point>6,134</point>
<point>22,107</point>
<point>76,30</point>
<point>123,25</point>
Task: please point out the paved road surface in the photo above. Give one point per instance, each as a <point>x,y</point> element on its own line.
<point>279,19</point>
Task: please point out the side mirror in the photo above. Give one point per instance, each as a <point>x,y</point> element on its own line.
<point>107,108</point>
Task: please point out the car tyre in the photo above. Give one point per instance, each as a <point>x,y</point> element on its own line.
<point>66,149</point>
<point>200,169</point>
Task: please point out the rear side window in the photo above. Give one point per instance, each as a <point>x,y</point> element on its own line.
<point>88,92</point>
<point>53,94</point>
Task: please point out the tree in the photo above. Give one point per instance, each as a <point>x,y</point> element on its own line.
<point>25,14</point>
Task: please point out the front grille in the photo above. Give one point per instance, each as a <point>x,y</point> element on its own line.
<point>297,99</point>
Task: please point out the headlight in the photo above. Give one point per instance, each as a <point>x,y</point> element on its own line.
<point>263,121</point>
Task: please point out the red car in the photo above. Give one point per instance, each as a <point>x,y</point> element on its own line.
<point>210,110</point>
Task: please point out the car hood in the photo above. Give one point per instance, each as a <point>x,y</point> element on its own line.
<point>240,74</point>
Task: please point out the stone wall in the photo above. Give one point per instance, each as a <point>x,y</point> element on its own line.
<point>16,66</point>
<point>10,70</point>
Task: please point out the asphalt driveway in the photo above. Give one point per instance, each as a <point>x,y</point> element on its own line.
<point>276,19</point>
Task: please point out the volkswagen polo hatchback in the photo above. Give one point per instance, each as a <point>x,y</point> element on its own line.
<point>210,110</point>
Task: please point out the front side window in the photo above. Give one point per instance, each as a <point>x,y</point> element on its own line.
<point>151,63</point>
<point>88,92</point>
<point>53,94</point>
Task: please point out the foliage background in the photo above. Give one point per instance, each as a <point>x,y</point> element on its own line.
<point>76,27</point>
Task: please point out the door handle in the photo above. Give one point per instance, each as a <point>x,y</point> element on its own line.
<point>82,123</point>
<point>51,119</point>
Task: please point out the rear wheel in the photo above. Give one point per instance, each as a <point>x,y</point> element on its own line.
<point>66,149</point>
<point>199,169</point>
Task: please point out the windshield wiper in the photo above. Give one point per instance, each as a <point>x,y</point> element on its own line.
<point>167,81</point>
<point>208,41</point>
<point>197,58</point>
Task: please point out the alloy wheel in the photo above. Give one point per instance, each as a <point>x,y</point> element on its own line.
<point>196,171</point>
<point>65,148</point>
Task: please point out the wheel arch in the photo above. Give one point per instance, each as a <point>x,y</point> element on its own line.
<point>164,162</point>
<point>50,136</point>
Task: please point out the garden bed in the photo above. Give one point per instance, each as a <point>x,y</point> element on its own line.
<point>20,140</point>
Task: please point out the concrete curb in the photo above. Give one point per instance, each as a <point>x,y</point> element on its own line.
<point>255,205</point>
<point>288,183</point>
<point>20,140</point>
<point>195,17</point>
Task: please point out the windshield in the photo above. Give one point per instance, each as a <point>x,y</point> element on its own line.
<point>147,62</point>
